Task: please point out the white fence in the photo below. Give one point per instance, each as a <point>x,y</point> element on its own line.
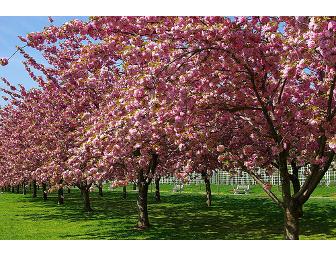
<point>224,178</point>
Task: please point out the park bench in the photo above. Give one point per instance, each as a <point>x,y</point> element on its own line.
<point>178,188</point>
<point>242,189</point>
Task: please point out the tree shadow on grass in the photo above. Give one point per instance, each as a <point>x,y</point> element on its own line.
<point>319,219</point>
<point>183,216</point>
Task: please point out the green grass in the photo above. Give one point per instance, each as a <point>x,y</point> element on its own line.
<point>179,216</point>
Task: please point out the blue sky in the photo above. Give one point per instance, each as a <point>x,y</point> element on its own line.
<point>10,28</point>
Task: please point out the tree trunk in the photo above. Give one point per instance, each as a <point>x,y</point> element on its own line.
<point>44,190</point>
<point>292,214</point>
<point>13,189</point>
<point>124,192</point>
<point>207,188</point>
<point>85,190</point>
<point>18,188</point>
<point>100,188</point>
<point>60,196</point>
<point>68,190</point>
<point>24,189</point>
<point>143,183</point>
<point>143,221</point>
<point>34,189</point>
<point>157,189</point>
<point>60,193</point>
<point>292,210</point>
<point>134,186</point>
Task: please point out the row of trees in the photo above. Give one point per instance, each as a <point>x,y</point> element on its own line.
<point>130,99</point>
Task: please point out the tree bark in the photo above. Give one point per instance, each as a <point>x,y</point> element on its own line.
<point>18,188</point>
<point>292,213</point>
<point>85,190</point>
<point>61,194</point>
<point>13,189</point>
<point>44,190</point>
<point>144,180</point>
<point>292,208</point>
<point>134,186</point>
<point>34,189</point>
<point>207,188</point>
<point>157,189</point>
<point>124,192</point>
<point>24,188</point>
<point>100,189</point>
<point>143,221</point>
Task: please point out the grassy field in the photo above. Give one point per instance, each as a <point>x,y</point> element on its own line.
<point>179,216</point>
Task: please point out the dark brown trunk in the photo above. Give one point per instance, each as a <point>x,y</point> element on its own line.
<point>292,209</point>
<point>44,190</point>
<point>292,214</point>
<point>60,196</point>
<point>143,183</point>
<point>34,189</point>
<point>86,198</point>
<point>157,189</point>
<point>134,186</point>
<point>18,189</point>
<point>100,189</point>
<point>143,221</point>
<point>207,188</point>
<point>24,189</point>
<point>68,190</point>
<point>124,192</point>
<point>13,189</point>
<point>208,192</point>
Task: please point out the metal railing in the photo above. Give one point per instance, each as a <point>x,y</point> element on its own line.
<point>225,178</point>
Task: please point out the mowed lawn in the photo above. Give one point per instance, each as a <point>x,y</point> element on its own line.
<point>181,215</point>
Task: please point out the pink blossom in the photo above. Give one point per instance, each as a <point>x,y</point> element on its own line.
<point>220,148</point>
<point>221,158</point>
<point>248,150</point>
<point>332,25</point>
<point>3,61</point>
<point>139,93</point>
<point>332,144</point>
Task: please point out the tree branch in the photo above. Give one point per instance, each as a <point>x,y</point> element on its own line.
<point>281,90</point>
<point>330,114</point>
<point>314,179</point>
<point>268,192</point>
<point>294,177</point>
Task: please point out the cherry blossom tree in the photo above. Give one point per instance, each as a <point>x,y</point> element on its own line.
<point>274,84</point>
<point>148,96</point>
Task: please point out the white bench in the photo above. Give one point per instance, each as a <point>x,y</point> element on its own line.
<point>242,189</point>
<point>178,188</point>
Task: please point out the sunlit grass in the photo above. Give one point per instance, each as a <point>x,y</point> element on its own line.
<point>180,215</point>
